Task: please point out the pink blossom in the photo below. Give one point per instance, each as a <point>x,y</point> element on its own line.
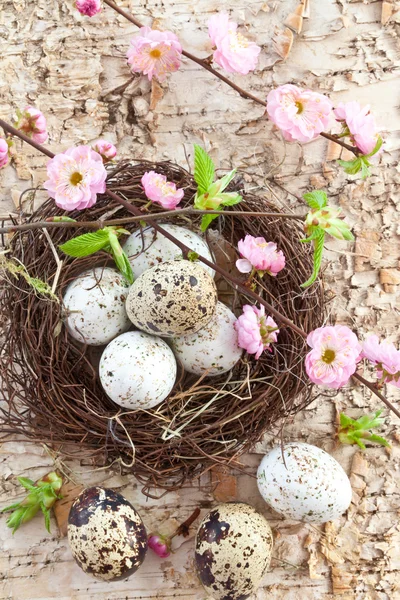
<point>33,123</point>
<point>159,544</point>
<point>360,123</point>
<point>385,356</point>
<point>234,52</point>
<point>154,53</point>
<point>76,176</point>
<point>88,7</point>
<point>107,150</point>
<point>255,331</point>
<point>334,355</point>
<point>3,153</point>
<point>300,114</point>
<point>158,189</point>
<point>260,255</point>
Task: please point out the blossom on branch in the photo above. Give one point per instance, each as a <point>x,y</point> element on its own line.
<point>33,123</point>
<point>334,355</point>
<point>256,332</point>
<point>359,124</point>
<point>75,177</point>
<point>385,356</point>
<point>234,52</point>
<point>89,8</point>
<point>260,255</point>
<point>107,150</point>
<point>154,53</point>
<point>301,115</point>
<point>3,153</point>
<point>158,189</point>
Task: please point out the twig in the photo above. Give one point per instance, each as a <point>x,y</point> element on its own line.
<point>374,389</point>
<point>333,138</point>
<point>59,262</point>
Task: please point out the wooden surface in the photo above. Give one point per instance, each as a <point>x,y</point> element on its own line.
<point>71,68</point>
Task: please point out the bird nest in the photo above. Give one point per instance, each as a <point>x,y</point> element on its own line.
<point>50,386</point>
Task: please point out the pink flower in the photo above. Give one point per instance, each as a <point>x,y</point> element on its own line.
<point>158,189</point>
<point>76,176</point>
<point>107,150</point>
<point>300,114</point>
<point>387,358</point>
<point>160,545</point>
<point>260,255</point>
<point>155,53</point>
<point>334,355</point>
<point>360,123</point>
<point>255,331</point>
<point>88,7</point>
<point>234,52</point>
<point>3,153</point>
<point>33,123</point>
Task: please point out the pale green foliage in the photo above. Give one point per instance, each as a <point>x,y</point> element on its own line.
<point>354,431</point>
<point>17,269</point>
<point>360,163</point>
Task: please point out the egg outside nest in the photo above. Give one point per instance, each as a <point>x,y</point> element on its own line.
<point>175,298</point>
<point>233,551</point>
<point>106,534</point>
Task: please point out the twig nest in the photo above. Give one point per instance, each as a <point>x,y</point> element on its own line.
<point>94,304</point>
<point>304,483</point>
<point>213,349</point>
<point>106,534</point>
<point>175,298</point>
<point>147,248</point>
<point>137,370</point>
<point>233,551</point>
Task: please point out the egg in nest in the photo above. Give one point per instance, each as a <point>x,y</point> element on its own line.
<point>308,484</point>
<point>106,534</point>
<point>147,248</point>
<point>233,551</point>
<point>175,298</point>
<point>137,370</point>
<point>94,304</point>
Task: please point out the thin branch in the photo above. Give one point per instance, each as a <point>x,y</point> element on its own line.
<point>333,138</point>
<point>12,131</point>
<point>375,390</point>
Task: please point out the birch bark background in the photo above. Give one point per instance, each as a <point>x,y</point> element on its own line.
<point>73,69</point>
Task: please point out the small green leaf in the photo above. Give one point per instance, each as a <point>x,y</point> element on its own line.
<point>120,257</point>
<point>365,172</point>
<point>193,256</point>
<point>316,199</point>
<point>377,147</point>
<point>351,167</point>
<point>352,431</point>
<point>206,220</point>
<point>318,251</point>
<point>86,244</point>
<point>46,513</point>
<point>204,170</point>
<point>225,180</point>
<point>28,484</point>
<point>60,220</point>
<point>230,198</point>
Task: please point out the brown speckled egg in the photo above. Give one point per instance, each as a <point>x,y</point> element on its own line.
<point>172,299</point>
<point>106,534</point>
<point>233,551</point>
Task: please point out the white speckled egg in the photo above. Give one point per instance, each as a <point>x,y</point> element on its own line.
<point>95,306</point>
<point>214,348</point>
<point>106,534</point>
<point>233,551</point>
<point>137,370</point>
<point>175,298</point>
<point>148,248</point>
<point>311,487</point>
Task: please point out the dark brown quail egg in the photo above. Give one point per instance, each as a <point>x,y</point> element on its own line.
<point>233,551</point>
<point>172,299</point>
<point>106,534</point>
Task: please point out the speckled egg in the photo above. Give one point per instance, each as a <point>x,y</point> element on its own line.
<point>106,534</point>
<point>137,370</point>
<point>94,304</point>
<point>233,551</point>
<point>175,298</point>
<point>311,487</point>
<point>214,348</point>
<point>148,248</point>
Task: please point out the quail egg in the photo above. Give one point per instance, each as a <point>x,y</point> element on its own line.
<point>175,298</point>
<point>106,534</point>
<point>137,370</point>
<point>308,485</point>
<point>147,248</point>
<point>94,305</point>
<point>233,551</point>
<point>214,348</point>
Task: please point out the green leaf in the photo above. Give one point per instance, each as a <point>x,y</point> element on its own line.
<point>351,166</point>
<point>206,220</point>
<point>46,513</point>
<point>377,147</point>
<point>60,220</point>
<point>225,180</point>
<point>318,251</point>
<point>86,244</point>
<point>230,198</point>
<point>120,257</point>
<point>27,483</point>
<point>316,199</point>
<point>365,172</point>
<point>204,170</point>
<point>378,440</point>
<point>193,256</point>
<point>353,431</point>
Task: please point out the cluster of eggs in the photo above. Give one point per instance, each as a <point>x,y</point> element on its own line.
<point>170,298</point>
